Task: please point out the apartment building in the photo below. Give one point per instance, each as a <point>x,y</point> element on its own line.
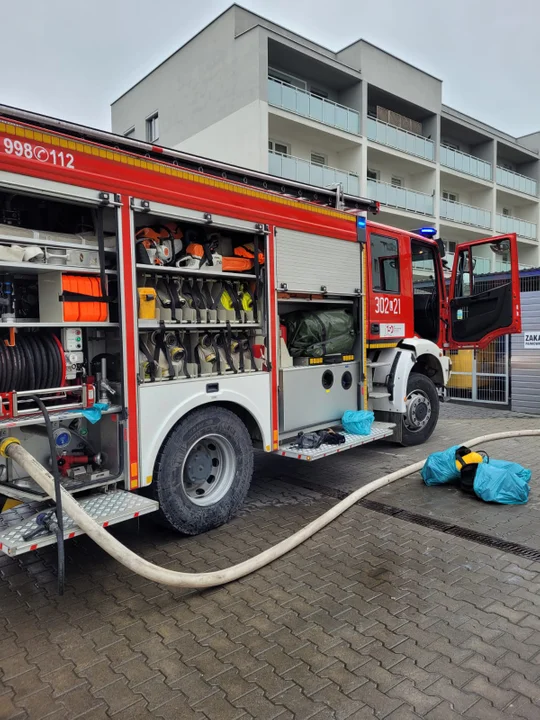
<point>249,92</point>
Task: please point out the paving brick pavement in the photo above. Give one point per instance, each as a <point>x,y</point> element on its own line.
<point>372,618</point>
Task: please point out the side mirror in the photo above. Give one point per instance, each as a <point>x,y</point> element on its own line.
<point>442,249</point>
<point>501,247</point>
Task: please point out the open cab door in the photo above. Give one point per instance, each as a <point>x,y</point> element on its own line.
<point>482,306</point>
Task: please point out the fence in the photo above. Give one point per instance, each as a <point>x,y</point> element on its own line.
<point>506,372</point>
<point>481,376</point>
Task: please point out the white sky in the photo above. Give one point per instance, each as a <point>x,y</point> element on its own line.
<point>71,59</point>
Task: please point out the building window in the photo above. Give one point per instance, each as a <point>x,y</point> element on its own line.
<point>318,159</point>
<point>152,128</point>
<point>450,144</point>
<point>506,212</point>
<point>278,147</point>
<point>396,181</point>
<point>372,174</point>
<point>317,91</point>
<point>506,165</point>
<point>450,246</point>
<point>286,78</point>
<point>384,263</point>
<point>130,133</point>
<point>451,196</point>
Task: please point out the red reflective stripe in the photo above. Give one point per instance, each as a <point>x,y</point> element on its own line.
<point>131,332</point>
<point>33,547</point>
<point>273,341</point>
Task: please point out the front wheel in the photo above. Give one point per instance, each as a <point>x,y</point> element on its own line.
<point>203,471</point>
<point>421,410</point>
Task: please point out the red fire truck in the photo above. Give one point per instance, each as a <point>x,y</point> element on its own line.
<point>168,314</point>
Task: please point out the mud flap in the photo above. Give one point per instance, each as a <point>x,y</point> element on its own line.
<point>396,419</point>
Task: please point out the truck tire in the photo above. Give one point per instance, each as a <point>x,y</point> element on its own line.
<point>422,410</point>
<point>203,471</point>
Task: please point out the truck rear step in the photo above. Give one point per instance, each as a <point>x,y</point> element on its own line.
<point>106,509</point>
<point>379,431</point>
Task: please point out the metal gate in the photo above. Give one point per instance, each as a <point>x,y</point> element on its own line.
<point>481,376</point>
<point>525,368</point>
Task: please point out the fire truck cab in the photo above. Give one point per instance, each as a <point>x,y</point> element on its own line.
<point>414,321</point>
<point>168,314</point>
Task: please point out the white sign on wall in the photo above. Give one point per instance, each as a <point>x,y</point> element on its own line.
<point>531,340</point>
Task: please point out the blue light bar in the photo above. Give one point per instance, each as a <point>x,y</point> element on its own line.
<point>428,232</point>
<point>361,222</point>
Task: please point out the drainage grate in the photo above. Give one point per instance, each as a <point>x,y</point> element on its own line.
<point>450,529</point>
<point>456,530</point>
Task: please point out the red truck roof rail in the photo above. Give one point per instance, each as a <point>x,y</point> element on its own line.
<point>329,196</point>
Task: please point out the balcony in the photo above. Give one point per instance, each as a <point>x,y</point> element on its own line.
<point>399,139</point>
<point>468,164</point>
<point>399,197</point>
<point>515,181</point>
<point>311,106</point>
<point>507,224</point>
<point>505,265</point>
<point>293,168</point>
<point>465,214</point>
<point>484,266</point>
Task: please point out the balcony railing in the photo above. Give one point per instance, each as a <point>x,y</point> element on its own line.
<point>465,214</point>
<point>484,266</point>
<point>504,266</point>
<point>507,224</point>
<point>399,139</point>
<point>399,197</point>
<point>294,168</point>
<point>515,181</point>
<point>468,164</point>
<point>304,103</point>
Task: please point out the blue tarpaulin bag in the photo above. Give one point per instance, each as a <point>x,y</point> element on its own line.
<point>440,467</point>
<point>503,482</point>
<point>357,422</point>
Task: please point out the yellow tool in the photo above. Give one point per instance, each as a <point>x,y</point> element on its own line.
<point>147,303</point>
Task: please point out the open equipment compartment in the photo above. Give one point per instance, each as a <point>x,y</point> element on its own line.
<point>322,305</point>
<point>200,294</point>
<point>59,337</point>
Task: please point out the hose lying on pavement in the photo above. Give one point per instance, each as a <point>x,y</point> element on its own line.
<point>219,577</point>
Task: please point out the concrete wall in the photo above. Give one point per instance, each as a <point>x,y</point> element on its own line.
<point>468,195</point>
<point>395,76</point>
<point>518,208</point>
<point>301,146</point>
<point>531,142</point>
<point>209,79</point>
<point>246,20</point>
<point>413,177</point>
<point>241,138</point>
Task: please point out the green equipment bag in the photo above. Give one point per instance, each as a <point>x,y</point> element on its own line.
<point>320,332</point>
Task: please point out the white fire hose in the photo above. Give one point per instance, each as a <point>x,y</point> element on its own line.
<point>12,449</point>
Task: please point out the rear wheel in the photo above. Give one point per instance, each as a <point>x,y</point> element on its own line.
<point>203,471</point>
<point>421,410</point>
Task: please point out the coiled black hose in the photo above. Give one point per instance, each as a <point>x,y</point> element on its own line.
<point>34,363</point>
